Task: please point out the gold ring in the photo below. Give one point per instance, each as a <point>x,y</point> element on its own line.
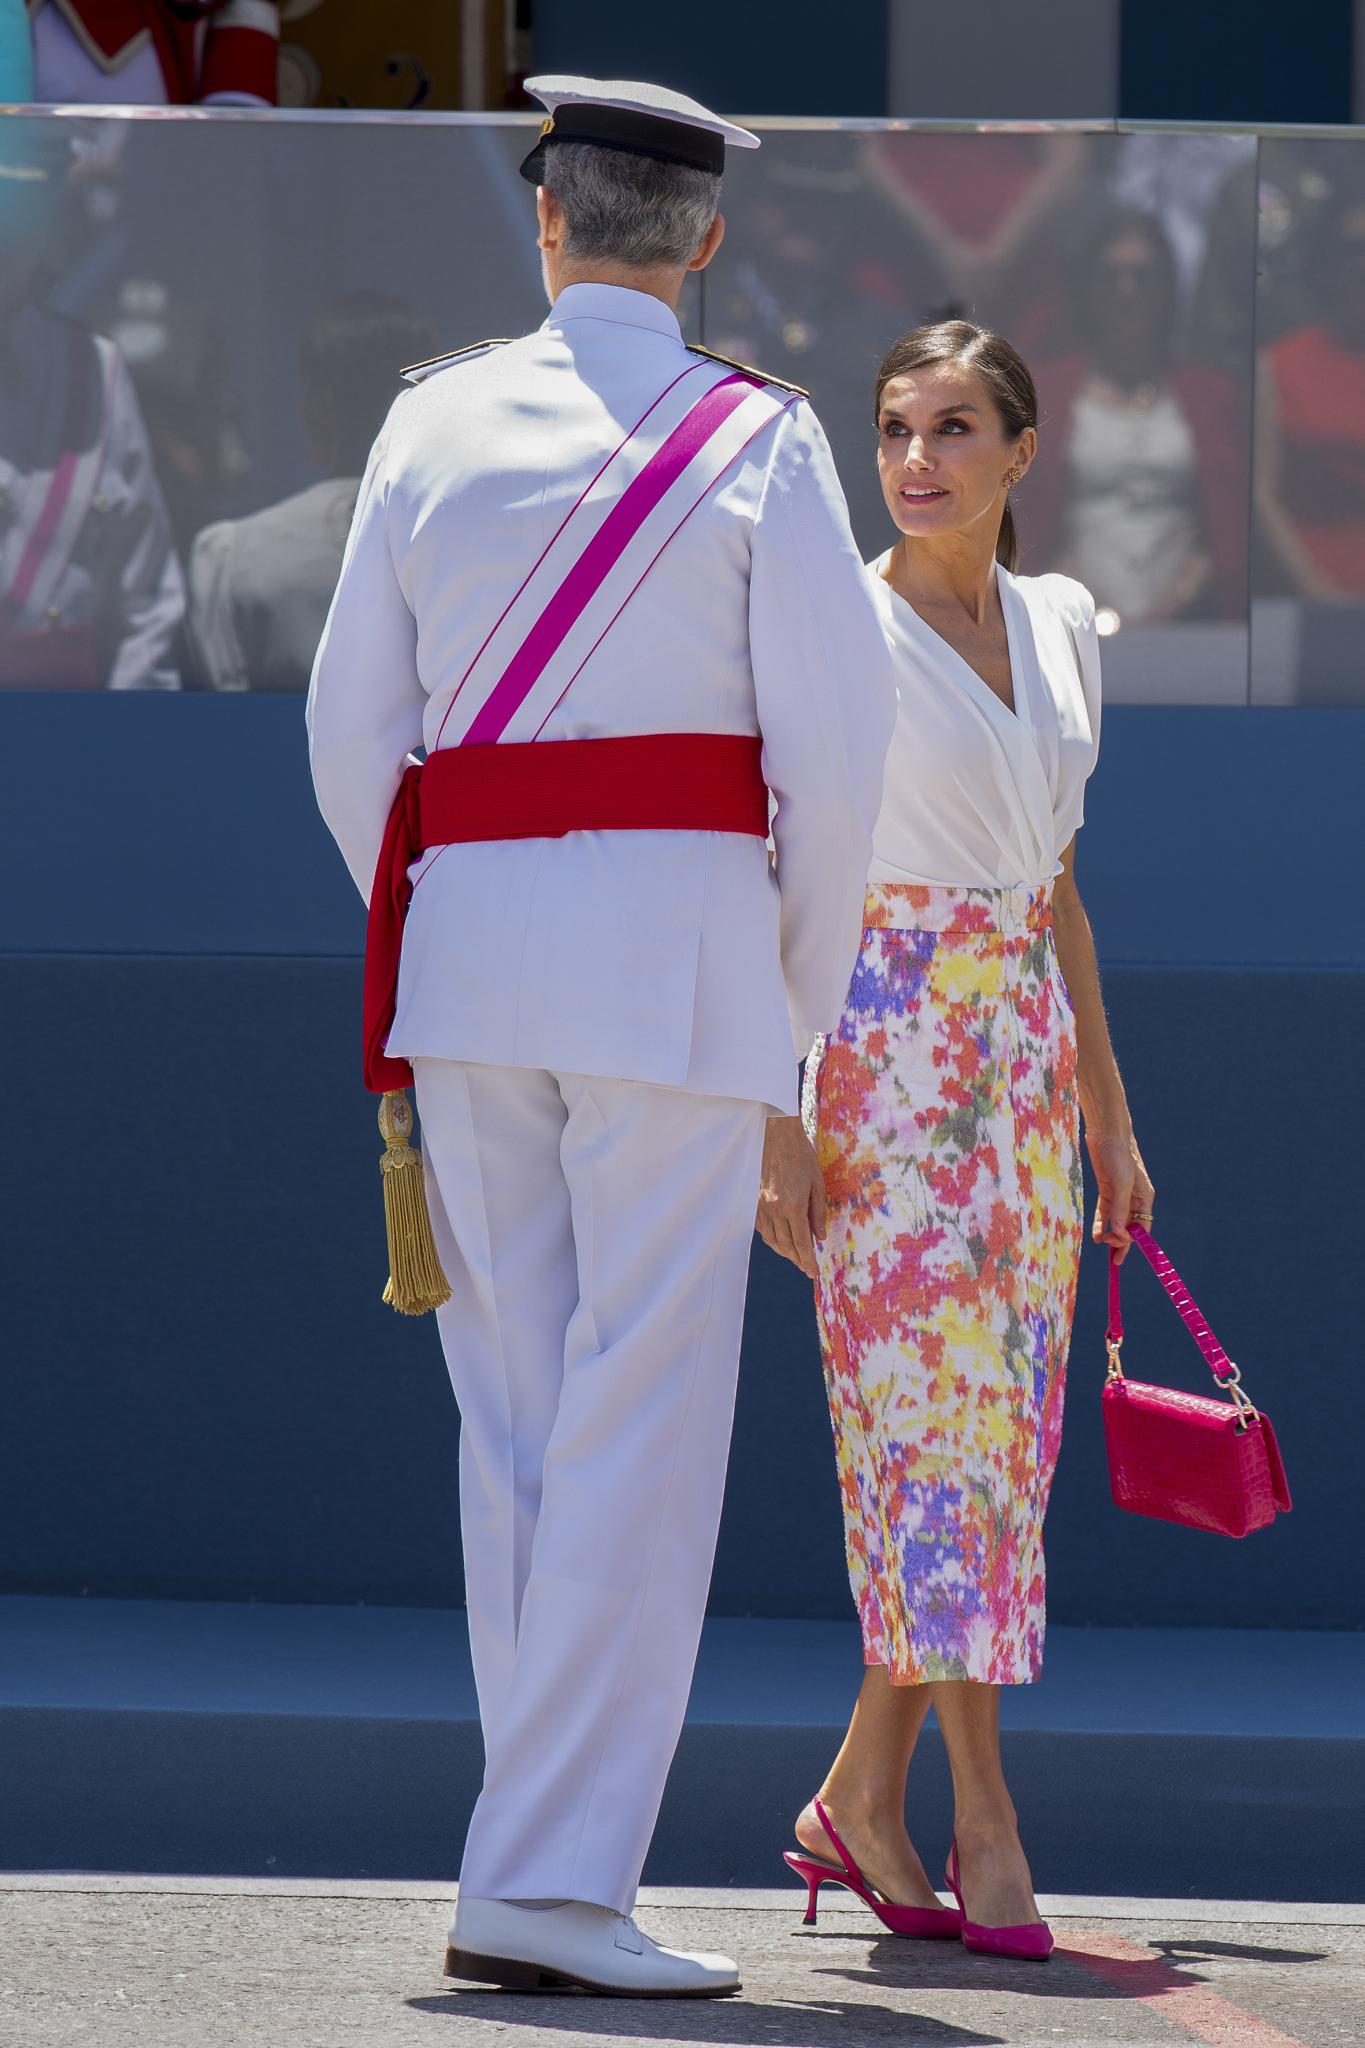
<point>1139,1215</point>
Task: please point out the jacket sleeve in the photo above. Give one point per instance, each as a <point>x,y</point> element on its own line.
<point>241,55</point>
<point>211,617</point>
<point>365,701</point>
<point>826,693</point>
<point>145,593</point>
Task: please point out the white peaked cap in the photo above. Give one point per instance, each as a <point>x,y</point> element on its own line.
<point>623,113</point>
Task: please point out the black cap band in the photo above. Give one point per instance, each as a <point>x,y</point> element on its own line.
<point>654,135</point>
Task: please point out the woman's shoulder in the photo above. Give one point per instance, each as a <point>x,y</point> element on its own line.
<point>1063,599</point>
<point>1061,594</point>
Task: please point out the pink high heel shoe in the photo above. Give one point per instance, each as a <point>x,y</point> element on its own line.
<point>1030,1943</point>
<point>923,1923</point>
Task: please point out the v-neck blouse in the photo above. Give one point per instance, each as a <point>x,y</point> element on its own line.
<point>977,795</point>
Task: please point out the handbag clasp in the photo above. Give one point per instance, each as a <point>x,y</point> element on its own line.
<point>1246,1408</point>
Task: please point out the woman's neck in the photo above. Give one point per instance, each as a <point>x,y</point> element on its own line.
<point>956,572</point>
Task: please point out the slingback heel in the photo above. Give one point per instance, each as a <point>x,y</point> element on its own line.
<point>1030,1943</point>
<point>918,1923</point>
<point>815,1874</point>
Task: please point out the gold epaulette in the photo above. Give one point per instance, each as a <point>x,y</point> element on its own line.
<point>782,383</point>
<point>417,373</point>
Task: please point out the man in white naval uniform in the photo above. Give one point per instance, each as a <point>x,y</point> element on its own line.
<point>600,1021</point>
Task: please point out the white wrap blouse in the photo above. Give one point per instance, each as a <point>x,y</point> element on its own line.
<point>977,795</point>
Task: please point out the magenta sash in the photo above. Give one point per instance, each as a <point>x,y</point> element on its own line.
<point>640,499</point>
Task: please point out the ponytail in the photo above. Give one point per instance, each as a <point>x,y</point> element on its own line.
<point>1007,546</point>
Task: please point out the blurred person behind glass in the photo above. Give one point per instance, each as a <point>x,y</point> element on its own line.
<point>793,291</point>
<point>1142,494</point>
<point>155,52</point>
<point>837,243</point>
<point>1310,427</point>
<point>1184,180</point>
<point>91,593</point>
<point>981,223</point>
<point>260,587</point>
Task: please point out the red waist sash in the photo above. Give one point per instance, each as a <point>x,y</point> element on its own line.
<point>653,782</point>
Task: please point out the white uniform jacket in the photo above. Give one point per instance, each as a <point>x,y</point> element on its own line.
<point>650,956</point>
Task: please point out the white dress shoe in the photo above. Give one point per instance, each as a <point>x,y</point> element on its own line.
<point>494,1942</point>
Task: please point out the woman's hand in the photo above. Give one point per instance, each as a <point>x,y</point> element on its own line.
<point>791,1199</point>
<point>1126,1191</point>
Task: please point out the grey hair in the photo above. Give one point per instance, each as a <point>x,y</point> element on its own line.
<point>623,208</point>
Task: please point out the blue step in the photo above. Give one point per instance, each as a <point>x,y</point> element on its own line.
<point>223,1738</point>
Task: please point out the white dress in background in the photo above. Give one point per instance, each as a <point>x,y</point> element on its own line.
<point>1133,517</point>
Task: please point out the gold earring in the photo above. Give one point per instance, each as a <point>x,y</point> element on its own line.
<point>1012,477</point>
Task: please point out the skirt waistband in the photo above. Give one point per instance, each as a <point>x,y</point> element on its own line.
<point>914,906</point>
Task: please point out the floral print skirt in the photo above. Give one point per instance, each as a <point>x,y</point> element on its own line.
<point>944,1111</point>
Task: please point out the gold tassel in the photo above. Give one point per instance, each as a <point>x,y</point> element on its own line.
<point>416,1282</point>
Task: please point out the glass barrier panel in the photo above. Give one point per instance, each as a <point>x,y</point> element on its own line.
<point>202,318</point>
<point>203,322</point>
<point>1308,559</point>
<point>1119,266</point>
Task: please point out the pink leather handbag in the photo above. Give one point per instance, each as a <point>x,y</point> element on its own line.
<point>1211,1464</point>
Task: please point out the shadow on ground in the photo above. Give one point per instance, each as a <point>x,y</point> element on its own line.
<point>830,2020</point>
<point>741,2023</point>
<point>1179,1952</point>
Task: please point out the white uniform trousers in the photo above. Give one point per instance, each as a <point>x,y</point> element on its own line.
<point>596,1237</point>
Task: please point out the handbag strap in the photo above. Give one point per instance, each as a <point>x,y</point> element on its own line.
<point>1217,1360</point>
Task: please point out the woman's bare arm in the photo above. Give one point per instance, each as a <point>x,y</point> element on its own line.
<point>1125,1186</point>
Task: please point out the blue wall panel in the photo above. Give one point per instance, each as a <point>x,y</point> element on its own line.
<point>148,824</point>
<point>206,1399</point>
<point>209,1398</point>
<point>1224,61</point>
<point>787,58</point>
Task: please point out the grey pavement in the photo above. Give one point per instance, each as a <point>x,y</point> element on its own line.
<point>132,1962</point>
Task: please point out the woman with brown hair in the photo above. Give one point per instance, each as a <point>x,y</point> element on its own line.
<point>934,1193</point>
<point>1142,487</point>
